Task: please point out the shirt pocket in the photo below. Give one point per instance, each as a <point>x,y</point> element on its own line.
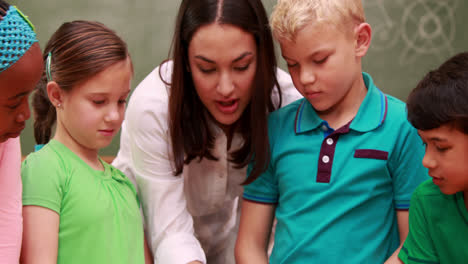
<point>371,154</point>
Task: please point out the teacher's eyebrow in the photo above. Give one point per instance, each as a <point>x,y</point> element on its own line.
<point>243,55</point>
<point>204,58</point>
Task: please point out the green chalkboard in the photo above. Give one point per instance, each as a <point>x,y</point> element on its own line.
<point>410,37</point>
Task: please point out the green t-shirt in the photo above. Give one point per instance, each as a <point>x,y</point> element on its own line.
<point>100,220</point>
<point>438,228</point>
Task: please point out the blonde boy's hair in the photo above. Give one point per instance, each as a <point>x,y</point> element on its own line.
<point>290,16</point>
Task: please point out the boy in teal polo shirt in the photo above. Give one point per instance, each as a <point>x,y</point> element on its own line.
<point>438,216</point>
<point>344,160</point>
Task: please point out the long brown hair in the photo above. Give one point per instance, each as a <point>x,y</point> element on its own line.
<point>189,129</point>
<point>78,50</point>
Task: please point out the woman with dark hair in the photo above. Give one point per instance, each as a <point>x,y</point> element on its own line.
<point>196,121</point>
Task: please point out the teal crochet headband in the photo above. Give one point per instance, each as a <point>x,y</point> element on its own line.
<point>16,37</point>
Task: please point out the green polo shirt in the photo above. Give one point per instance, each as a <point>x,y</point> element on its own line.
<point>438,228</point>
<point>337,191</point>
<point>100,220</point>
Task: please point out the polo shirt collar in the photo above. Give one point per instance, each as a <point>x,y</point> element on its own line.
<point>371,113</point>
<point>373,109</point>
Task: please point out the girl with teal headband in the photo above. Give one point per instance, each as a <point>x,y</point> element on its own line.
<point>20,69</point>
<point>76,207</point>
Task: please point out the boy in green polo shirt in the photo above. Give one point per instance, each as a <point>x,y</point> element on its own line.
<point>344,160</point>
<point>438,219</point>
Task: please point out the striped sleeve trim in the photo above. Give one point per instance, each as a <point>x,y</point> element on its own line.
<point>402,205</point>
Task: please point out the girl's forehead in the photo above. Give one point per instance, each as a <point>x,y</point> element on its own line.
<point>114,79</point>
<point>21,78</point>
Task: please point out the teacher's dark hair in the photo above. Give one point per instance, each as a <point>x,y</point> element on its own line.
<point>189,128</point>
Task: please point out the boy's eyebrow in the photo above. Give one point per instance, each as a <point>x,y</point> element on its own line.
<point>308,56</point>
<point>437,139</point>
<point>243,55</point>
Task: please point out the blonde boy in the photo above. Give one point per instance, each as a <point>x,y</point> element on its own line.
<point>343,161</point>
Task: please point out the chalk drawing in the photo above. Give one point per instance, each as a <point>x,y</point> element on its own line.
<point>386,31</point>
<point>422,28</point>
<point>428,28</point>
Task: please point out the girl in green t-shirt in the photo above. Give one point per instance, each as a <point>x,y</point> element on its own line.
<point>76,207</point>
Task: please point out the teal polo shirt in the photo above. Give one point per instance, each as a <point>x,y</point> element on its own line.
<point>336,192</point>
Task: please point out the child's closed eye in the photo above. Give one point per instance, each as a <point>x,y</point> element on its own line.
<point>442,148</point>
<point>99,102</point>
<point>321,60</point>
<point>14,106</point>
<point>15,103</point>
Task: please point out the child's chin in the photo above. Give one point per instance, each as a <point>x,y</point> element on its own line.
<point>103,143</point>
<point>447,191</point>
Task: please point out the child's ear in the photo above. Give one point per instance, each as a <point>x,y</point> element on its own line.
<point>363,34</point>
<point>55,94</point>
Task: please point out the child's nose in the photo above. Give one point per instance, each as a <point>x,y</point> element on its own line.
<point>428,161</point>
<point>307,76</point>
<point>112,115</point>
